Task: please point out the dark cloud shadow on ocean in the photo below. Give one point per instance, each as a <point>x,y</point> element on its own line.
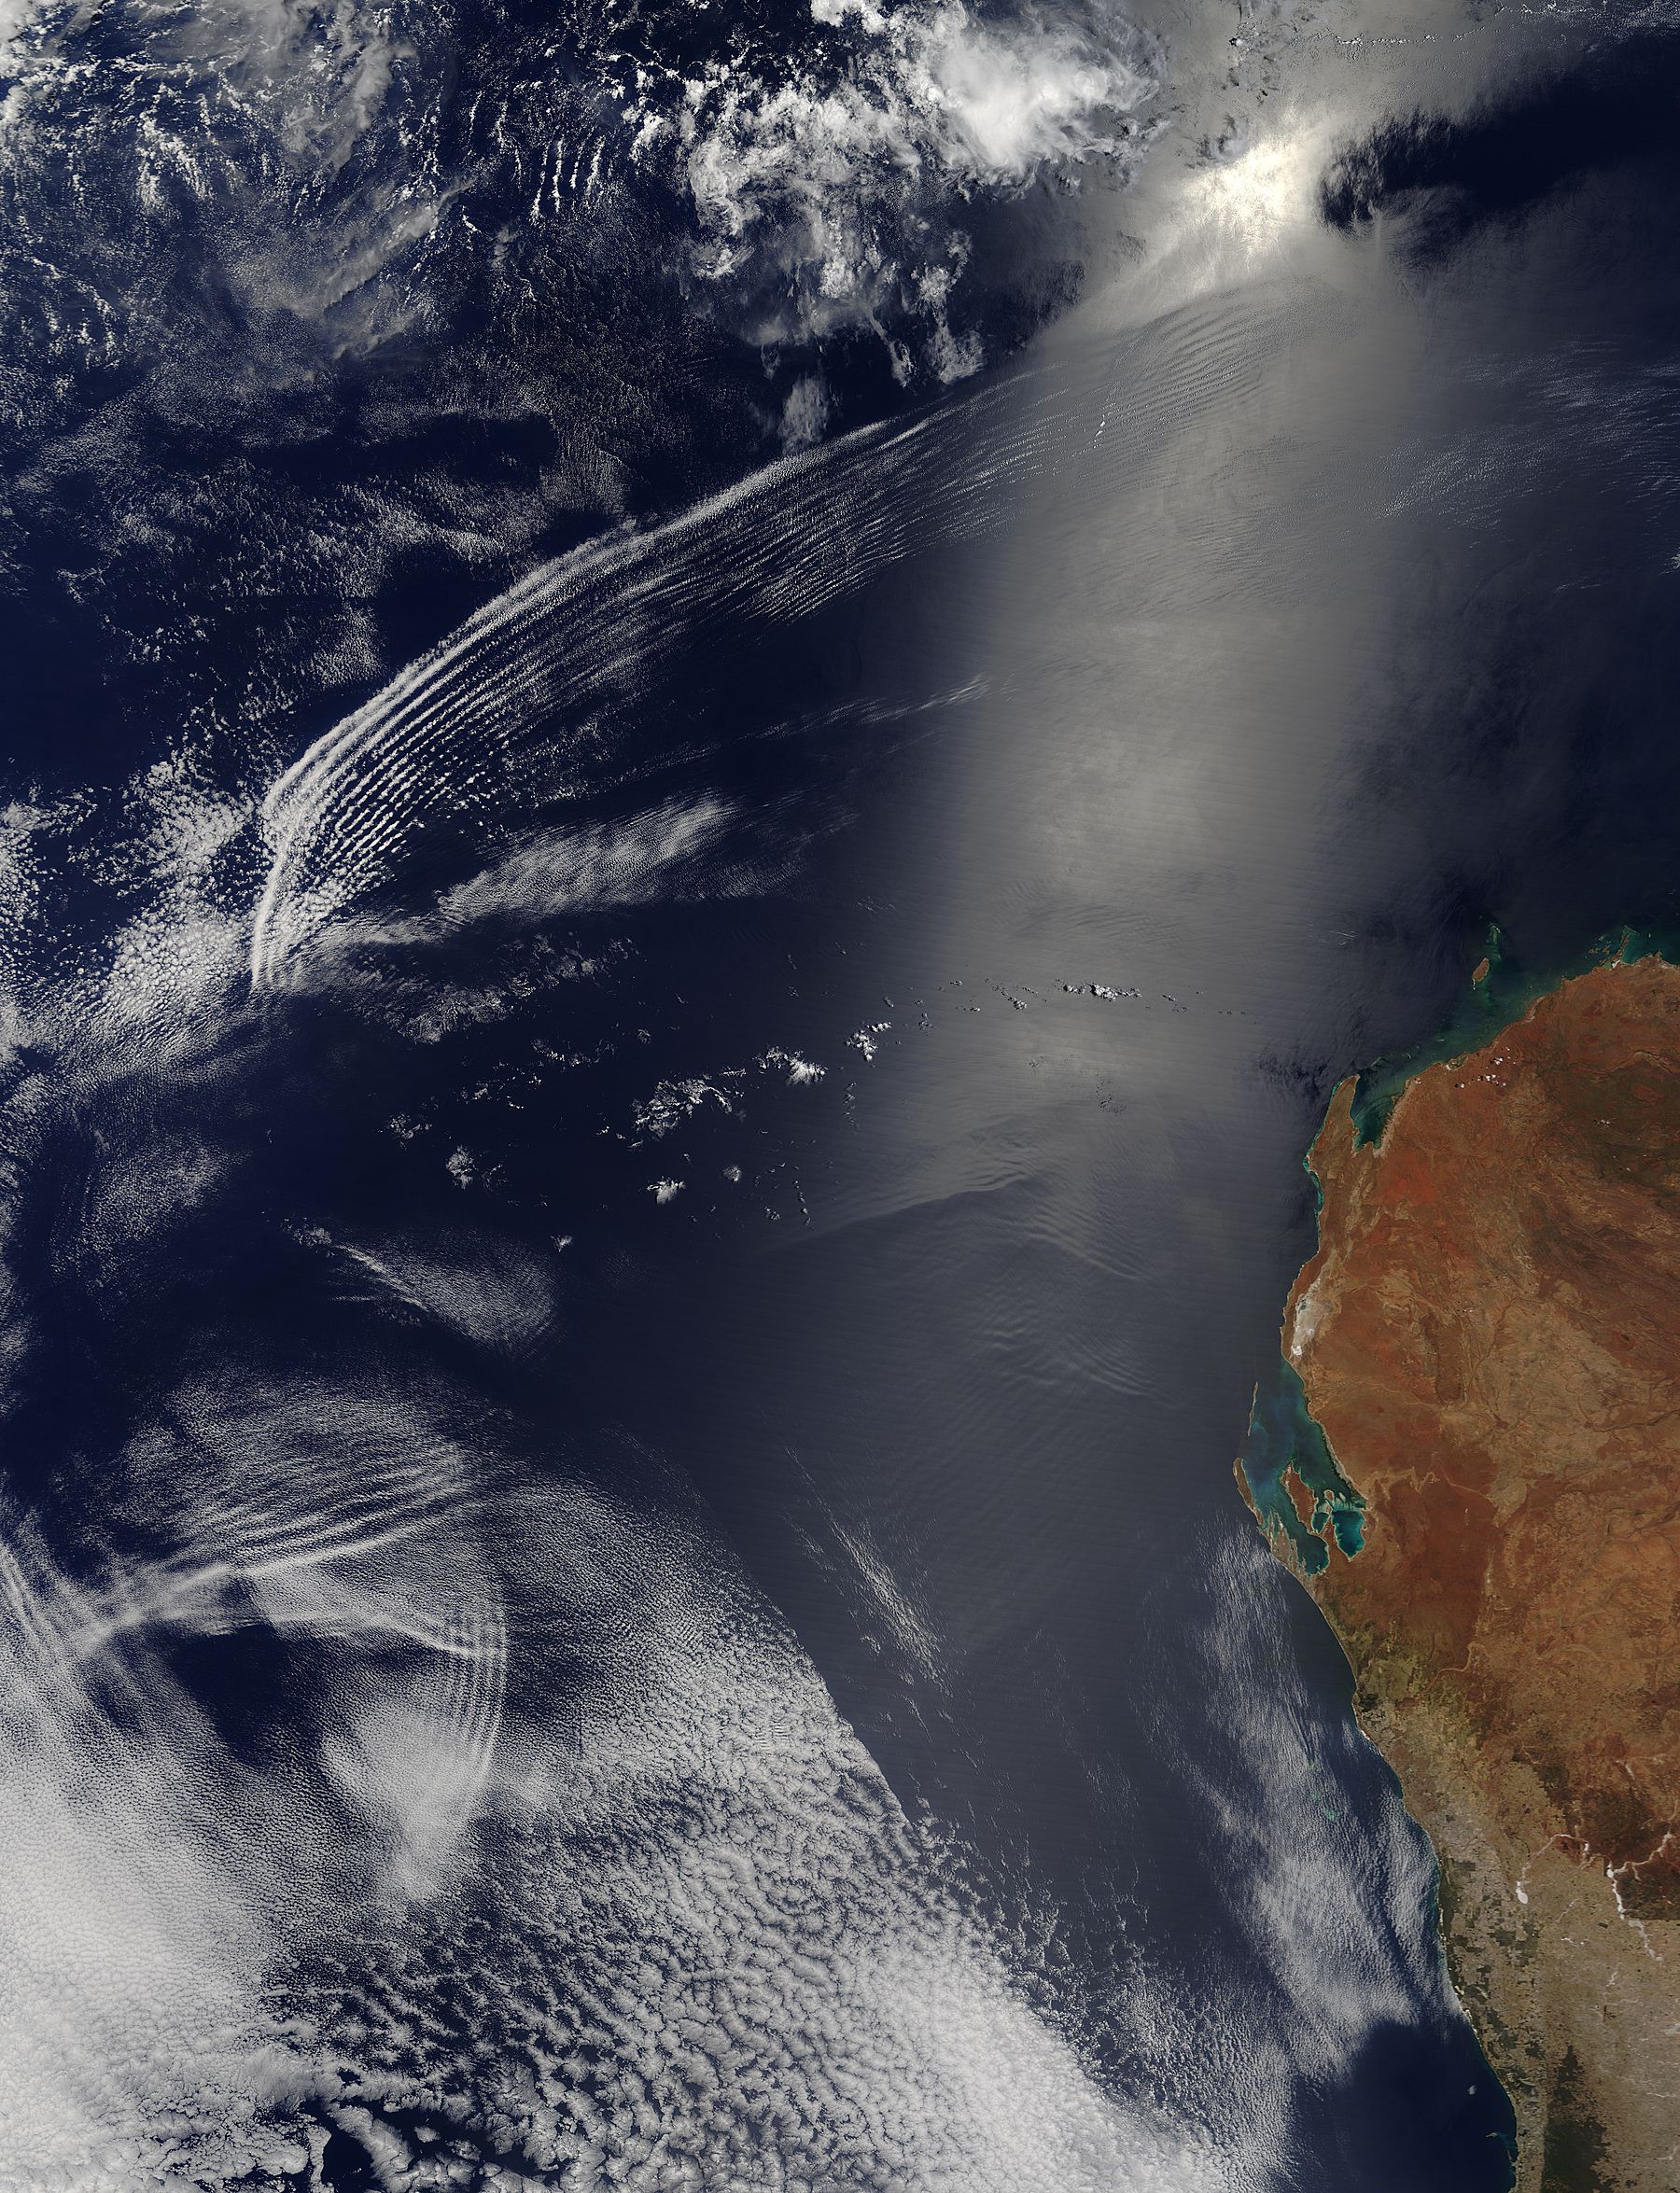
<point>1457,177</point>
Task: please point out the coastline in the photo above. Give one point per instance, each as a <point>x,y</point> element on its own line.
<point>1465,1359</point>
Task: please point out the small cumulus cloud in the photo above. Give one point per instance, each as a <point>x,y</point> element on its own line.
<point>827,196</point>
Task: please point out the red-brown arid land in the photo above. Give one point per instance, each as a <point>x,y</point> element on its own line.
<point>1489,1337</point>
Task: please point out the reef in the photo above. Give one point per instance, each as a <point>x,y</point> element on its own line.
<point>1472,1458</point>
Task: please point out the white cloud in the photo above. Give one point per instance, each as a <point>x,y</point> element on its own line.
<point>835,190</point>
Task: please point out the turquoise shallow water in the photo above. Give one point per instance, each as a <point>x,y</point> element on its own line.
<point>766,1235</point>
<point>1285,1441</point>
<point>1503,987</point>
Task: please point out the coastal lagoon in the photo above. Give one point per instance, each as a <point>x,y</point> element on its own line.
<point>642,1229</point>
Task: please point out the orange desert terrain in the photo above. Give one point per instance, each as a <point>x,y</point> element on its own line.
<point>1488,1339</point>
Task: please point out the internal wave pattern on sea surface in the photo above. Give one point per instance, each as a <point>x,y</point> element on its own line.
<point>310,311</point>
<point>538,697</point>
<point>404,1783</point>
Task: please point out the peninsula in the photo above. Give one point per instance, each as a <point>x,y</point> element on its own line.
<point>1473,1460</point>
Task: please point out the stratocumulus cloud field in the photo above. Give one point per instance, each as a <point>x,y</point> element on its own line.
<point>449,1780</point>
<point>723,720</point>
<point>376,1775</point>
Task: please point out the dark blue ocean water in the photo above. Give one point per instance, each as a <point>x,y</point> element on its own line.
<point>764,1171</point>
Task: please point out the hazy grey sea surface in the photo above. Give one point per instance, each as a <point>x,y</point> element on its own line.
<point>1354,650</point>
<point>977,1409</point>
<point>636,1247</point>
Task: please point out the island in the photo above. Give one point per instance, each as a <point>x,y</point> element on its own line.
<point>1471,1457</point>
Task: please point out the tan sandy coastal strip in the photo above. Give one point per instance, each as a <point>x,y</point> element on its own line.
<point>1488,1335</point>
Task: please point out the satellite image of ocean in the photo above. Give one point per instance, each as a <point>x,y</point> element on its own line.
<point>839,1097</point>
